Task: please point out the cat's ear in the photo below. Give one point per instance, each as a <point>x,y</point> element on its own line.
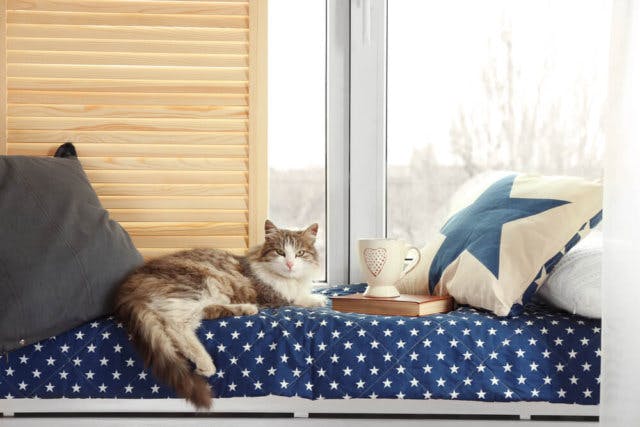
<point>312,230</point>
<point>269,227</point>
<point>66,150</point>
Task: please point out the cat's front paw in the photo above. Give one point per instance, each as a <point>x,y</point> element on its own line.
<point>314,300</point>
<point>205,367</point>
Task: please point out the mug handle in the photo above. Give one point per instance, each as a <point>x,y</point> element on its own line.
<point>415,262</point>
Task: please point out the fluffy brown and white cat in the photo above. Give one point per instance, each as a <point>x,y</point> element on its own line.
<point>164,301</point>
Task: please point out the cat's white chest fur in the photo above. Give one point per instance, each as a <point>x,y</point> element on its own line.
<point>298,290</point>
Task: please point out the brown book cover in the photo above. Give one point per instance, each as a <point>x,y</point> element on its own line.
<point>404,305</point>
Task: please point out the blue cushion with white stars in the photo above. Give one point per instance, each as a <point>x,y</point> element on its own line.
<point>318,353</point>
<point>498,248</point>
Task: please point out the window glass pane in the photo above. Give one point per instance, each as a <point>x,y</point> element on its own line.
<point>297,115</point>
<point>475,86</point>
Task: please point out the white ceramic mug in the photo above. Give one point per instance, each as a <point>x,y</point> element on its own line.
<point>383,263</point>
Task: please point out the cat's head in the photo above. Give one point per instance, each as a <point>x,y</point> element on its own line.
<point>289,253</point>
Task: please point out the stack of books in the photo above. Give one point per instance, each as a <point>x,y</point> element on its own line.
<point>404,305</point>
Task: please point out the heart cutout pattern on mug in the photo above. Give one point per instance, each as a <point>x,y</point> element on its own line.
<point>375,259</point>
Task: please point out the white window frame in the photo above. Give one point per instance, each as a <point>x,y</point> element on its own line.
<point>355,132</point>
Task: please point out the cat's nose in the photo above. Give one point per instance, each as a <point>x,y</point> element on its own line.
<point>289,264</point>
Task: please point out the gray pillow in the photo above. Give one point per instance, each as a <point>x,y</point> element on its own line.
<point>61,257</point>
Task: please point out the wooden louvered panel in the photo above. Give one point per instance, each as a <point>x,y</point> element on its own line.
<point>164,100</point>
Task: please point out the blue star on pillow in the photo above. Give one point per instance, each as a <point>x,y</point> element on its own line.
<point>478,227</point>
<point>496,250</point>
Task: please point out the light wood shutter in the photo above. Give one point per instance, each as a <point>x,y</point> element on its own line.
<point>164,100</point>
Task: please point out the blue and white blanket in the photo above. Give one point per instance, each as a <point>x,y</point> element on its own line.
<point>542,355</point>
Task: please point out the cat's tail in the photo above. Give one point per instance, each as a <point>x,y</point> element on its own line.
<point>159,351</point>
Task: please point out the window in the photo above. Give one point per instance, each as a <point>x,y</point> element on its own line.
<point>297,116</point>
<point>492,85</point>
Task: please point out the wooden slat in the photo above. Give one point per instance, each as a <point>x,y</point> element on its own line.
<point>125,19</point>
<point>174,202</point>
<point>128,137</point>
<point>125,98</point>
<point>163,164</point>
<point>177,87</point>
<point>118,32</point>
<point>185,229</point>
<point>149,253</point>
<point>134,124</point>
<point>147,7</point>
<point>131,46</point>
<point>130,150</point>
<point>177,215</point>
<point>133,72</point>
<point>190,241</point>
<point>122,58</point>
<point>170,189</point>
<point>166,177</point>
<point>123,111</point>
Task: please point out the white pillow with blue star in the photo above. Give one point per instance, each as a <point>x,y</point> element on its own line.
<point>497,250</point>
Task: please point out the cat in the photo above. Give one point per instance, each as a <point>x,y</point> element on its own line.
<point>164,301</point>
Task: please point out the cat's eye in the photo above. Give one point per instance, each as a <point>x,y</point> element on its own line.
<point>300,253</point>
<point>279,252</point>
